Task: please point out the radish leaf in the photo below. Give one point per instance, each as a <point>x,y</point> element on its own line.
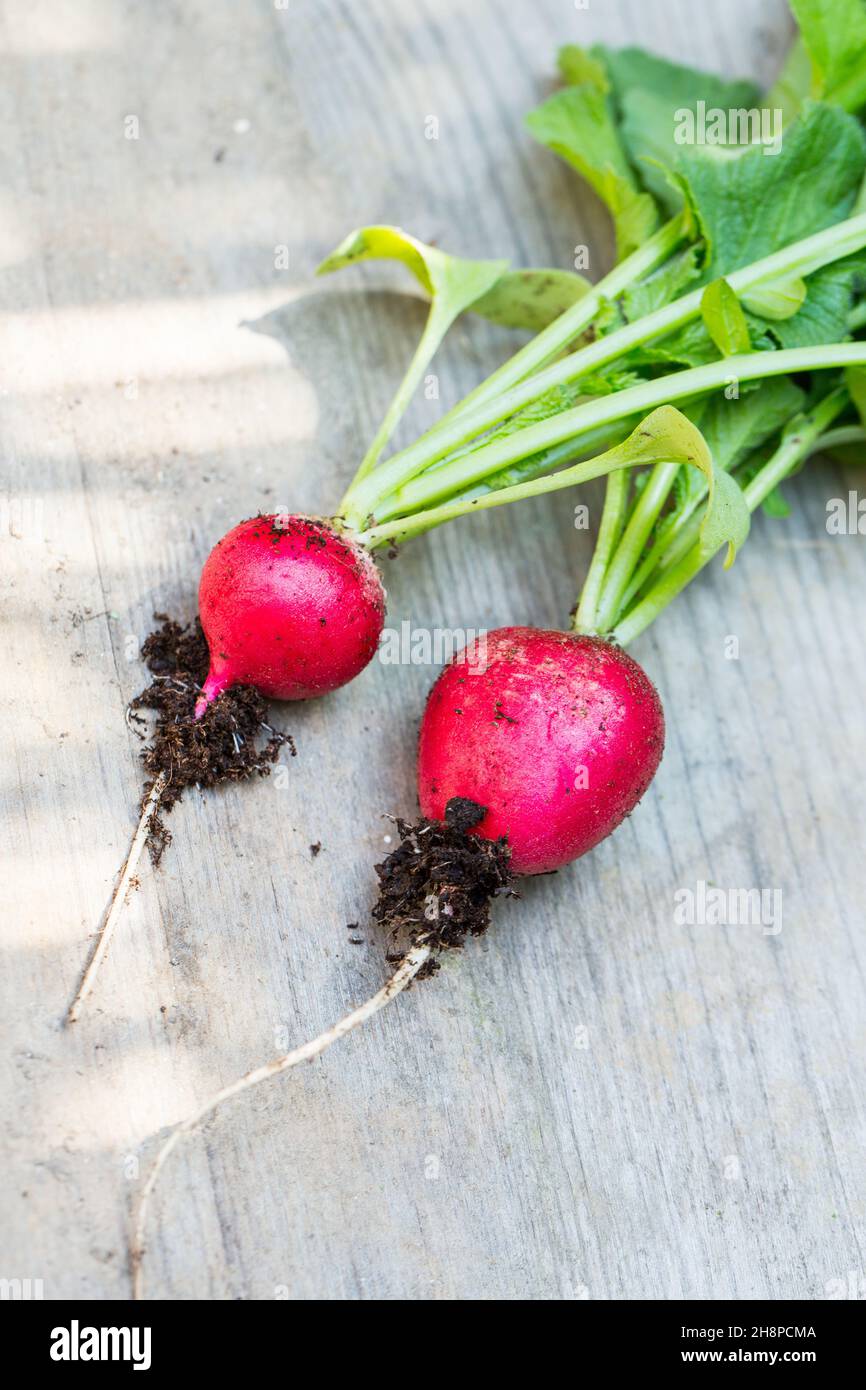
<point>834,35</point>
<point>577,66</point>
<point>669,436</point>
<point>577,124</point>
<point>824,315</point>
<point>724,320</point>
<point>531,299</point>
<point>453,285</point>
<point>648,91</point>
<point>777,301</point>
<point>749,205</point>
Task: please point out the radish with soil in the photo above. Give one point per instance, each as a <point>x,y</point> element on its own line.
<point>525,724</point>
<point>547,710</point>
<point>567,732</point>
<point>725,293</point>
<point>290,606</point>
<point>578,703</point>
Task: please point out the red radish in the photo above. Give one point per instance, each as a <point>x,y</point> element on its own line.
<point>290,606</point>
<point>557,735</point>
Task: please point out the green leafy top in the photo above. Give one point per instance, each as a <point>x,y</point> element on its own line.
<point>578,123</point>
<point>649,94</point>
<point>751,204</point>
<point>834,37</point>
<point>753,278</point>
<point>447,277</point>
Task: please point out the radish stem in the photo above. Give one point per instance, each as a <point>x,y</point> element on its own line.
<point>547,344</point>
<point>609,532</point>
<point>628,552</point>
<point>799,441</point>
<point>115,907</point>
<point>576,422</point>
<point>537,353</point>
<point>402,530</point>
<point>801,258</point>
<point>435,329</point>
<point>403,976</point>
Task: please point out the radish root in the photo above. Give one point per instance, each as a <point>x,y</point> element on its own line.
<point>118,899</point>
<point>403,976</point>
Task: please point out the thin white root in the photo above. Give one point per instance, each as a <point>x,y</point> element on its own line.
<point>403,975</point>
<point>115,907</point>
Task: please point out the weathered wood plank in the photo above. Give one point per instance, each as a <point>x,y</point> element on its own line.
<point>593,1101</point>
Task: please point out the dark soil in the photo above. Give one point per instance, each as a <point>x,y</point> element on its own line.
<point>230,743</point>
<point>436,887</point>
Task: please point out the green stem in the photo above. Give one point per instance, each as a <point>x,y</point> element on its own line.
<point>628,553</point>
<point>668,532</point>
<point>527,470</point>
<point>797,443</point>
<point>404,528</point>
<point>609,532</point>
<point>435,328</point>
<point>575,423</point>
<point>857,317</point>
<point>802,258</point>
<point>537,353</point>
<point>836,439</point>
<point>673,547</point>
<point>570,325</point>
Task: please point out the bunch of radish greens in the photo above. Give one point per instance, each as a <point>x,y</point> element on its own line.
<point>696,376</point>
<point>718,354</point>
<point>701,373</point>
<point>733,309</point>
<point>735,300</point>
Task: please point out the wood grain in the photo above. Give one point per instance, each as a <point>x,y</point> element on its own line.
<point>594,1102</point>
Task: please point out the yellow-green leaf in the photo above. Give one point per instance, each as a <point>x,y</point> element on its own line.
<point>724,319</point>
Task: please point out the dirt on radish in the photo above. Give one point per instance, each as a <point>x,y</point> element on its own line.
<point>436,887</point>
<point>231,742</point>
<point>558,735</point>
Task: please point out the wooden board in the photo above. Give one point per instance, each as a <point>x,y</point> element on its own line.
<point>593,1102</point>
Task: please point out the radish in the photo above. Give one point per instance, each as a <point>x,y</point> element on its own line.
<point>563,731</point>
<point>294,606</point>
<point>557,735</point>
<point>531,755</point>
<point>290,606</point>
<point>533,761</point>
